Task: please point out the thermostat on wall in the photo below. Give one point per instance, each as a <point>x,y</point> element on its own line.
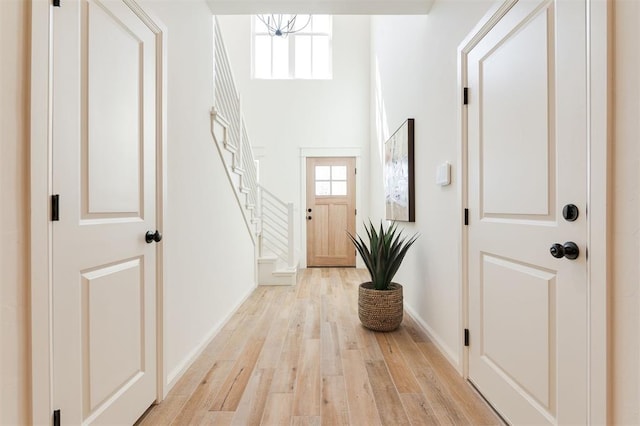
<point>443,174</point>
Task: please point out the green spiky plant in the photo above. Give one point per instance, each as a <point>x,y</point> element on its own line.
<point>384,254</point>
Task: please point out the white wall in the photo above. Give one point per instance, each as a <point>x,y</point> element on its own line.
<point>414,75</point>
<point>208,251</point>
<point>14,214</point>
<point>283,116</point>
<point>625,249</point>
<point>344,7</point>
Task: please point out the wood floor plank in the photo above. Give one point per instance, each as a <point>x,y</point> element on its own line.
<point>414,329</point>
<point>418,409</point>
<point>231,391</point>
<point>402,375</point>
<point>465,396</point>
<point>445,409</point>
<point>367,343</point>
<point>362,405</point>
<point>330,346</point>
<point>307,395</point>
<point>163,413</point>
<point>272,349</point>
<point>217,418</point>
<point>277,411</point>
<point>335,410</point>
<point>305,421</point>
<point>239,337</point>
<point>254,400</point>
<point>346,331</point>
<point>285,377</point>
<point>194,375</point>
<point>198,404</point>
<point>312,321</point>
<point>386,396</point>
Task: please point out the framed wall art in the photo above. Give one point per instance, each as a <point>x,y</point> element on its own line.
<point>399,174</point>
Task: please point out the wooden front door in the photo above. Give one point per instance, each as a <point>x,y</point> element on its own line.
<point>331,211</point>
<point>105,115</point>
<point>527,140</point>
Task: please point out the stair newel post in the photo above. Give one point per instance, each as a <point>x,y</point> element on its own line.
<point>290,234</point>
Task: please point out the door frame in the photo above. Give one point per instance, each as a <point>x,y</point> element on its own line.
<point>598,146</point>
<point>40,185</point>
<point>319,153</point>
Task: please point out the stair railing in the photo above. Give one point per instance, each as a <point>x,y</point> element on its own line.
<point>272,218</point>
<point>277,226</point>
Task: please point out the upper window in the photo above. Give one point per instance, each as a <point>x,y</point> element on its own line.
<point>305,54</point>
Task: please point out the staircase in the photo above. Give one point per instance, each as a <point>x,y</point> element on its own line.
<point>269,220</point>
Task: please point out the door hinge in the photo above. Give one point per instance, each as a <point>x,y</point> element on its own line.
<point>466,217</point>
<point>466,337</point>
<point>355,170</point>
<point>465,96</point>
<point>55,208</point>
<point>356,212</point>
<point>56,418</point>
<point>56,3</point>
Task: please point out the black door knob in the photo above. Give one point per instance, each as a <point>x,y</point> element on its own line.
<point>309,210</point>
<point>308,217</point>
<point>152,236</point>
<point>569,250</point>
<point>557,251</point>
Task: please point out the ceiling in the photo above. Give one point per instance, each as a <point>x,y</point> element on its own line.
<point>329,7</point>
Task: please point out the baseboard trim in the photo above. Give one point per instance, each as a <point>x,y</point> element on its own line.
<point>433,336</point>
<point>177,373</point>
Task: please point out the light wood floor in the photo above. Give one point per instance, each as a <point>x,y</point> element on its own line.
<point>299,356</point>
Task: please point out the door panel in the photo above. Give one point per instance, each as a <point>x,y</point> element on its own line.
<point>516,138</point>
<point>527,158</point>
<point>115,77</point>
<point>113,333</point>
<point>331,198</point>
<point>104,168</point>
<point>512,347</point>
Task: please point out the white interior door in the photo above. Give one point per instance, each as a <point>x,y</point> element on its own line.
<point>527,123</point>
<point>104,170</point>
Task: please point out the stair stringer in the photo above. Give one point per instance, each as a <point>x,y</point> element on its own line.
<point>228,153</point>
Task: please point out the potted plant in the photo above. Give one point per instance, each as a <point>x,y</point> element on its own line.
<point>380,302</point>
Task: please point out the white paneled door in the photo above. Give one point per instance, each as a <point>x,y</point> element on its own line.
<point>527,153</point>
<point>104,170</point>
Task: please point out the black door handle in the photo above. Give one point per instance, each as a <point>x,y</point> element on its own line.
<point>152,236</point>
<point>569,250</point>
<point>308,217</point>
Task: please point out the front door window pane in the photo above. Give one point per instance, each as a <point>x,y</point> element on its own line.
<point>323,173</point>
<point>338,188</point>
<point>323,188</point>
<point>338,172</point>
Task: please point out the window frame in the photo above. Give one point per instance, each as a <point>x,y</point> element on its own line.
<point>291,46</point>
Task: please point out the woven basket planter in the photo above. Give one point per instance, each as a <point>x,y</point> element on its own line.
<point>380,310</point>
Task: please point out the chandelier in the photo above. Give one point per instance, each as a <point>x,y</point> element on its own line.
<point>282,25</point>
